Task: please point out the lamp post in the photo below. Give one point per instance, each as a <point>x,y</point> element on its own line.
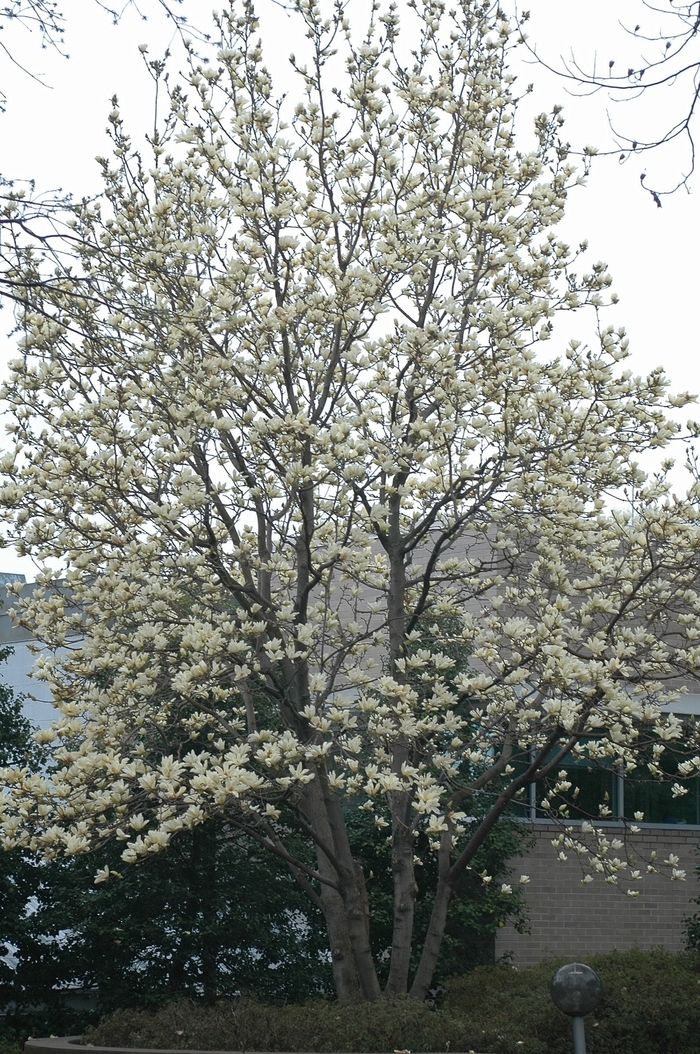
<point>576,989</point>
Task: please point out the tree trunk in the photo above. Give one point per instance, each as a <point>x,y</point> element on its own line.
<point>405,890</point>
<point>433,940</point>
<point>345,908</point>
<point>402,866</point>
<point>354,893</point>
<point>345,978</point>
<point>447,883</point>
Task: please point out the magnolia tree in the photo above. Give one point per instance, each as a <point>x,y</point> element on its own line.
<point>326,524</point>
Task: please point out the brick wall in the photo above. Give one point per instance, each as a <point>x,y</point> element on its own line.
<point>575,920</point>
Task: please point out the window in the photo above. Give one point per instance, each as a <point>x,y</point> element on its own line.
<point>594,783</point>
<point>599,782</point>
<point>654,798</point>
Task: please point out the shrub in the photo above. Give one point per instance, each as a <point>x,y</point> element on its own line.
<point>243,1024</point>
<point>651,1005</point>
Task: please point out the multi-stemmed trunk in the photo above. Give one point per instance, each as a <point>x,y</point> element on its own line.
<point>343,895</point>
<point>342,888</point>
<point>343,900</point>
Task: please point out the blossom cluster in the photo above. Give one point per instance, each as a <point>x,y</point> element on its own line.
<point>321,512</point>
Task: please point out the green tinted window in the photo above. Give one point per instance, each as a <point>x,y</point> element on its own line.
<point>654,798</point>
<point>520,806</point>
<point>593,783</point>
<point>599,783</point>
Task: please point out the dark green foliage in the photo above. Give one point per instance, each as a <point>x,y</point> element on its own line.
<point>651,1005</point>
<point>692,929</point>
<point>10,1046</point>
<point>211,916</point>
<point>18,874</point>
<point>475,913</point>
<point>214,915</point>
<point>692,923</point>
<point>386,1025</point>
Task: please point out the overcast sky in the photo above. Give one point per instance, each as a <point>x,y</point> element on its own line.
<point>52,134</point>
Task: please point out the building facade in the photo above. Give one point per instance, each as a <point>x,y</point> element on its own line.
<point>573,918</point>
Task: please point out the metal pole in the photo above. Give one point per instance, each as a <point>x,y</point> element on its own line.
<point>579,1036</point>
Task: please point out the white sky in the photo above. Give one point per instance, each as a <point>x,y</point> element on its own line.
<point>52,134</point>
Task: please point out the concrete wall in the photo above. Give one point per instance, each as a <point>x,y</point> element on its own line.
<point>575,920</point>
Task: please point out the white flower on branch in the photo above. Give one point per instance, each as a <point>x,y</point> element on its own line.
<point>333,530</point>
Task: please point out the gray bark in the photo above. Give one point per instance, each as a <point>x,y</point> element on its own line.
<point>405,890</point>
<point>345,977</point>
<point>433,940</point>
<point>354,893</point>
